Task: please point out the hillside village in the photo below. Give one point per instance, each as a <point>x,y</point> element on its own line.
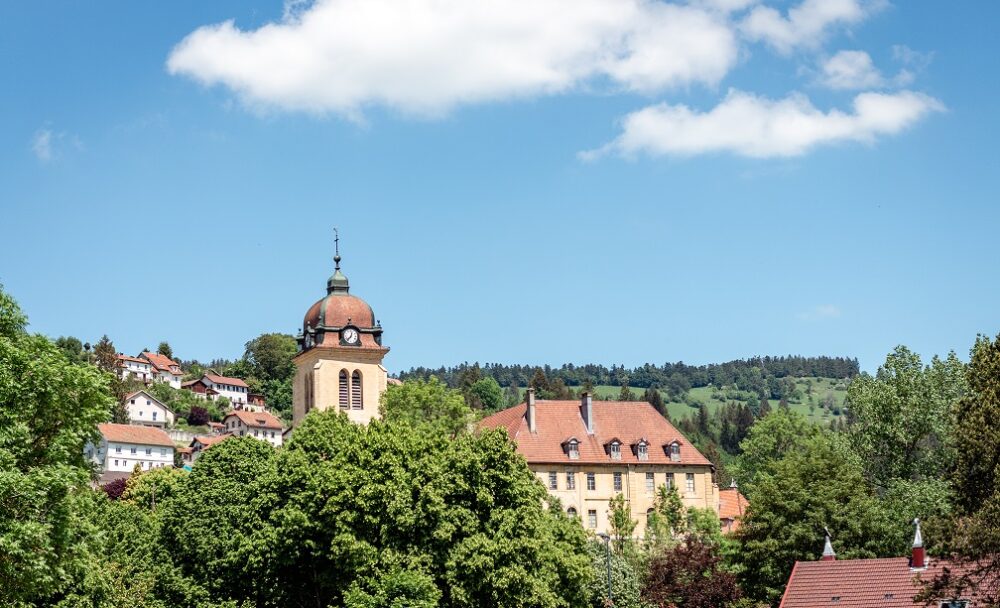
<point>619,472</point>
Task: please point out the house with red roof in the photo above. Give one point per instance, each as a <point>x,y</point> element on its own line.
<point>732,506</point>
<point>165,369</point>
<point>213,386</point>
<point>123,446</point>
<point>259,425</point>
<point>891,582</point>
<point>146,410</point>
<point>586,452</point>
<point>203,442</point>
<point>135,367</point>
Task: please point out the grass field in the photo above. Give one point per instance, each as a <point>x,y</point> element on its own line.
<point>714,398</point>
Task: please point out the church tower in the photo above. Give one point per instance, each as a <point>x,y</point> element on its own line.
<point>339,363</point>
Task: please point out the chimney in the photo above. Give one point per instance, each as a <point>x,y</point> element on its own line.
<point>828,554</point>
<point>587,411</point>
<point>918,560</point>
<point>529,411</point>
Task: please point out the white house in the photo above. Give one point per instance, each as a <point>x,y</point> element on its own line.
<point>165,369</point>
<point>260,425</point>
<point>140,369</point>
<point>213,386</point>
<point>122,446</point>
<point>146,410</point>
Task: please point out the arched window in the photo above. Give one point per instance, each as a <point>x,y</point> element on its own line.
<point>344,390</point>
<point>356,402</point>
<point>571,511</point>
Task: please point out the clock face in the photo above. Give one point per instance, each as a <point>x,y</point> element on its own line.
<point>351,336</point>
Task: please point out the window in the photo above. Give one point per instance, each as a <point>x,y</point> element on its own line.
<point>133,450</point>
<point>574,449</point>
<point>344,390</point>
<point>163,451</point>
<point>356,403</point>
<point>675,451</point>
<point>570,480</point>
<point>689,478</point>
<point>591,482</point>
<point>670,480</point>
<point>618,481</point>
<point>642,451</point>
<point>116,462</point>
<point>148,402</point>
<point>650,482</point>
<point>154,415</point>
<point>132,402</point>
<point>592,518</point>
<point>571,511</point>
<point>255,432</point>
<point>118,449</point>
<point>149,451</point>
<point>553,480</point>
<point>616,450</point>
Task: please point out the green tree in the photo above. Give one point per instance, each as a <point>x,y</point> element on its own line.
<point>72,348</point>
<point>901,416</point>
<point>427,404</point>
<point>485,394</point>
<point>977,468</point>
<point>270,356</point>
<point>626,579</point>
<point>654,398</point>
<point>821,484</point>
<point>621,523</point>
<point>49,411</point>
<point>397,588</point>
<point>106,359</point>
<point>625,393</point>
<point>164,349</point>
<point>768,441</point>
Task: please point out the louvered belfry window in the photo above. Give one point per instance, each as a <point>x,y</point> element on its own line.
<point>356,402</point>
<point>344,390</point>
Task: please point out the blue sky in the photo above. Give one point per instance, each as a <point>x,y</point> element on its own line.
<point>509,186</point>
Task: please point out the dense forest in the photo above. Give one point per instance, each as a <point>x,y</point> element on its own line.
<point>759,375</point>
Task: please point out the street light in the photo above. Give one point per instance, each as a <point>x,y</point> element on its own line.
<point>607,556</point>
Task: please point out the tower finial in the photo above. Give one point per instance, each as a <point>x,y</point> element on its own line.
<point>336,248</point>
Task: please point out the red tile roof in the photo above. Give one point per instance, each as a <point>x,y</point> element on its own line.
<point>732,504</point>
<point>558,421</point>
<point>225,380</point>
<point>210,440</point>
<point>858,583</point>
<point>126,433</point>
<point>122,357</point>
<point>159,361</point>
<point>255,419</point>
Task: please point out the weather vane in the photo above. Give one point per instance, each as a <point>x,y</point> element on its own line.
<point>336,248</point>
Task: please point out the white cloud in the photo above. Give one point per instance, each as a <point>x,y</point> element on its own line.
<point>41,145</point>
<point>823,311</point>
<point>427,56</point>
<point>805,24</point>
<point>753,126</point>
<point>851,70</point>
<point>48,145</point>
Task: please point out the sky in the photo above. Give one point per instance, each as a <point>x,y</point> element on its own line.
<point>611,181</point>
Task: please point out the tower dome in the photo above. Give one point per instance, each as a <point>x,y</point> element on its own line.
<point>340,319</point>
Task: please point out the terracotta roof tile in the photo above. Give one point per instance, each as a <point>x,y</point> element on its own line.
<point>558,421</point>
<point>858,583</point>
<point>210,440</point>
<point>732,504</point>
<point>127,433</point>
<point>160,362</point>
<point>122,357</point>
<point>225,380</point>
<point>257,419</point>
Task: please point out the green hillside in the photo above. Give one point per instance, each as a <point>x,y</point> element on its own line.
<point>826,390</point>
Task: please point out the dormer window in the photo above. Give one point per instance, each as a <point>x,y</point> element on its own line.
<point>572,447</point>
<point>642,451</point>
<point>615,450</point>
<point>674,449</point>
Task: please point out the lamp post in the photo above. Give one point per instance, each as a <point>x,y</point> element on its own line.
<point>607,558</point>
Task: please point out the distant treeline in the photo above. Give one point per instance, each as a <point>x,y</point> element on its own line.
<point>755,374</point>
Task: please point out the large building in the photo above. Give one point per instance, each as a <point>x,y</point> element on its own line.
<point>586,452</point>
<point>339,363</point>
<point>165,369</point>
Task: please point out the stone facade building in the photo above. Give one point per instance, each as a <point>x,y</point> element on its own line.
<point>586,452</point>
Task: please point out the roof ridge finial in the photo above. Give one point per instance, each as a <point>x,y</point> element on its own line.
<point>336,248</point>
<point>828,553</point>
